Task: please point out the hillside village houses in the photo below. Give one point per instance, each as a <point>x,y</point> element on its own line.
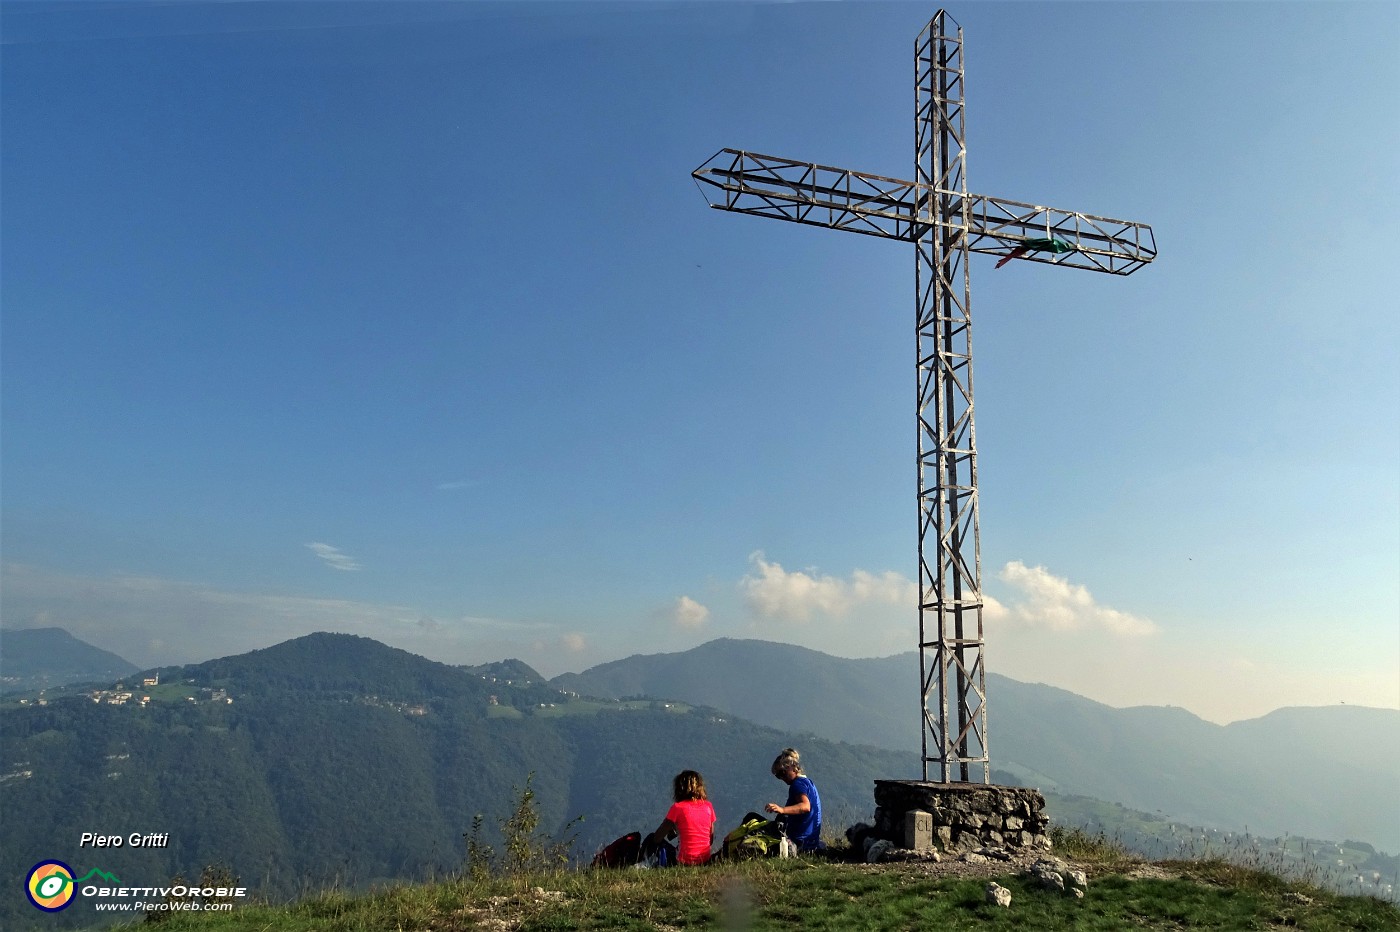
<point>120,695</point>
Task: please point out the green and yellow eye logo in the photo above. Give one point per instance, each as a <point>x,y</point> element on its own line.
<point>49,885</point>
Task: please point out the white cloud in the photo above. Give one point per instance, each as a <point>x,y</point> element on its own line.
<point>992,610</point>
<point>1048,601</point>
<point>689,613</point>
<point>570,643</point>
<point>800,596</point>
<point>333,557</point>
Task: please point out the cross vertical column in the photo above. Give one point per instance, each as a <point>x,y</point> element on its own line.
<point>951,672</point>
<point>946,224</point>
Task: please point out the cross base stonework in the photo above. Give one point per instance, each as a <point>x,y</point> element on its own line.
<point>951,817</point>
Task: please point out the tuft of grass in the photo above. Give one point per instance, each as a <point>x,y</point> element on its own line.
<point>1097,853</point>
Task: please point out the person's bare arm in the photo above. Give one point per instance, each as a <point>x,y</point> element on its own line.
<point>802,805</point>
<point>664,830</point>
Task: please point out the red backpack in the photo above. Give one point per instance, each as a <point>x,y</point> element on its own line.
<point>624,852</point>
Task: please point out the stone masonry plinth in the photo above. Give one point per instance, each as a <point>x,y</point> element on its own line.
<point>960,816</point>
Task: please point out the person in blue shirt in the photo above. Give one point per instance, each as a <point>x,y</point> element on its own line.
<point>803,812</point>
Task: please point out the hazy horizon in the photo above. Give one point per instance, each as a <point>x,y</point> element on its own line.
<point>542,669</point>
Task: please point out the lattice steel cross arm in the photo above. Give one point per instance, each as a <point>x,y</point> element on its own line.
<point>820,195</point>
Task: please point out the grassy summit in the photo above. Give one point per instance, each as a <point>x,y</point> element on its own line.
<point>812,894</point>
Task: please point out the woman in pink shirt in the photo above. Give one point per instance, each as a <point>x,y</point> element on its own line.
<point>691,817</point>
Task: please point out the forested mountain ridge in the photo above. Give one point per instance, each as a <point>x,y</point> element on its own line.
<point>334,760</point>
<point>330,664</point>
<point>510,671</point>
<point>1318,772</point>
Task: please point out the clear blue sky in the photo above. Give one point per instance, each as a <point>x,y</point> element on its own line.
<point>407,320</point>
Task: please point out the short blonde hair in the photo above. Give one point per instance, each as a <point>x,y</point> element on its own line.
<point>688,784</point>
<point>789,759</point>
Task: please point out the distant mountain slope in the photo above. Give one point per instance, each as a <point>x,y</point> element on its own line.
<point>1316,772</point>
<point>511,671</point>
<point>37,658</point>
<point>860,701</point>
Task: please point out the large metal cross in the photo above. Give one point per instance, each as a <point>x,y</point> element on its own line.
<point>945,223</point>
